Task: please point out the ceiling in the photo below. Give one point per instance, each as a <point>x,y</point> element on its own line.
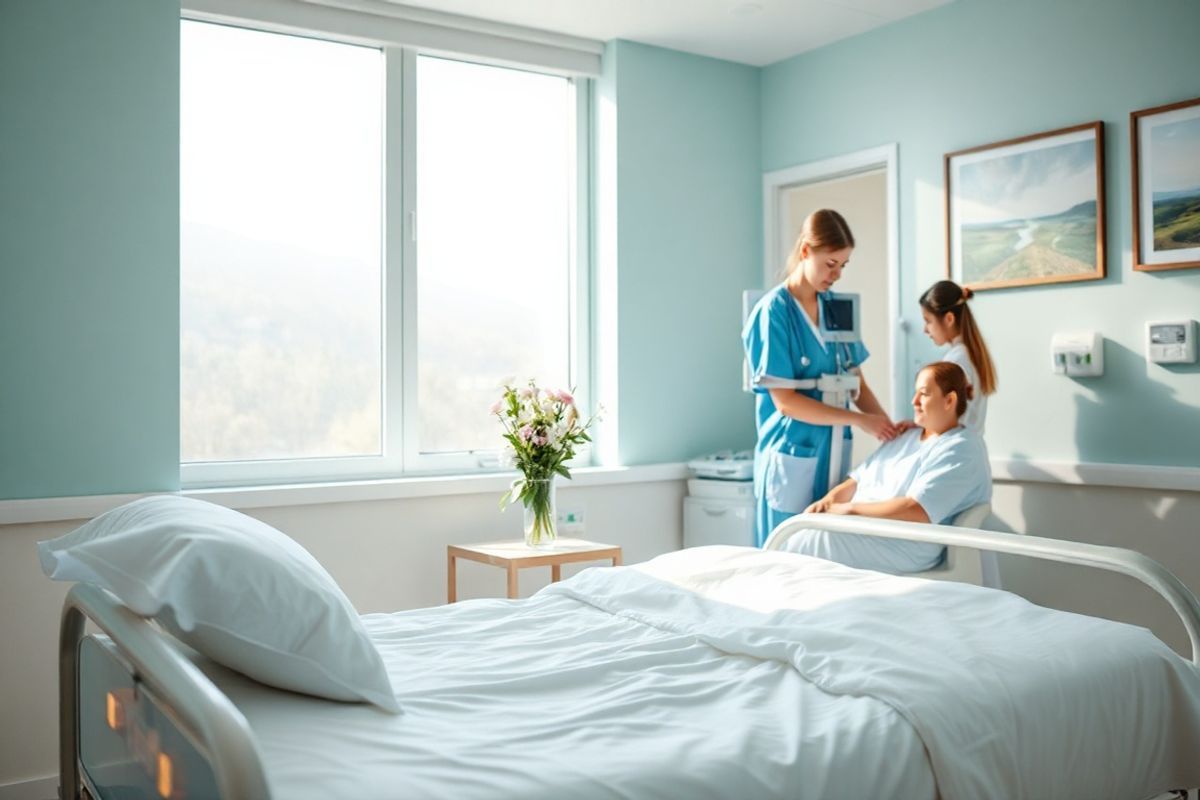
<point>755,32</point>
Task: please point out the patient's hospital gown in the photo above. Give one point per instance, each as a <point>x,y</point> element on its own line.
<point>946,474</point>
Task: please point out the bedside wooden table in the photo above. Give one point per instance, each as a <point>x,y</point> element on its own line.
<point>513,556</point>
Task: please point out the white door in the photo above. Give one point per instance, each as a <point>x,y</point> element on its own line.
<point>862,200</point>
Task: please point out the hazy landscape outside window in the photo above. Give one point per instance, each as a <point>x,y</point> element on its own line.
<point>280,246</point>
<point>495,158</point>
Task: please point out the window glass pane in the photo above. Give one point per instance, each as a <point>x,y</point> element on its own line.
<point>495,158</point>
<point>281,203</point>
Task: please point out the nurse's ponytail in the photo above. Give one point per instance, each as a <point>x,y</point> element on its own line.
<point>947,297</point>
<point>823,229</point>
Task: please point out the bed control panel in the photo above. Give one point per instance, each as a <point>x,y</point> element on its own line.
<point>129,744</point>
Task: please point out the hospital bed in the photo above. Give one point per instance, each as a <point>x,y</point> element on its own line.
<point>963,563</point>
<point>712,672</point>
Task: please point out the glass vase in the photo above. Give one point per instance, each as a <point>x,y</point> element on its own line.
<point>540,513</point>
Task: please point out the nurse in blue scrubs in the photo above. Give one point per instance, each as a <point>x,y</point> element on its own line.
<point>782,339</point>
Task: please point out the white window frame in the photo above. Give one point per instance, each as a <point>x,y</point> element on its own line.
<point>399,403</point>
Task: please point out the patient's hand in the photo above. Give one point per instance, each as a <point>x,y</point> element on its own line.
<point>819,507</point>
<point>841,509</point>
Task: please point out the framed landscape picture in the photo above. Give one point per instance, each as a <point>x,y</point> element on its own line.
<point>1027,211</point>
<point>1166,186</point>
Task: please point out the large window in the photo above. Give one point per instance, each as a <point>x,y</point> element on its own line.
<point>494,179</point>
<point>370,240</point>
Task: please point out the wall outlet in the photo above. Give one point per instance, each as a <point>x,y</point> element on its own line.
<point>570,520</point>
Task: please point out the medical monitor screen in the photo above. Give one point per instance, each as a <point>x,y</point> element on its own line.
<point>839,315</point>
<point>840,318</point>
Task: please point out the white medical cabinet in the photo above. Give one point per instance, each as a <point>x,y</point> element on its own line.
<point>719,508</point>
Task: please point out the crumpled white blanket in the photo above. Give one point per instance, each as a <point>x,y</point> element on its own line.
<point>1011,699</point>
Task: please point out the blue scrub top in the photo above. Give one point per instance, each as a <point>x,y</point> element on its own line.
<point>791,459</point>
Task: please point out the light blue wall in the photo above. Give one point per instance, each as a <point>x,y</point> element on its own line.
<point>980,71</point>
<point>89,247</point>
<point>89,225</point>
<point>687,240</point>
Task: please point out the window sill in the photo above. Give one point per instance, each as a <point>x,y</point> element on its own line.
<point>57,509</point>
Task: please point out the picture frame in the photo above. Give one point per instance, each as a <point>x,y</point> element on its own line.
<point>1027,211</point>
<point>1165,158</point>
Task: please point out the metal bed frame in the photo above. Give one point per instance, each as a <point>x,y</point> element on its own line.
<point>198,708</point>
<point>1114,559</point>
<point>210,720</point>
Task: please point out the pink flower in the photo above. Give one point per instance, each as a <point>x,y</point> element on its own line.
<point>540,440</point>
<point>565,396</point>
<point>526,433</point>
<point>496,406</point>
<point>525,393</point>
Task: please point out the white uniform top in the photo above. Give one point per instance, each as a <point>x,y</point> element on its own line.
<point>976,414</point>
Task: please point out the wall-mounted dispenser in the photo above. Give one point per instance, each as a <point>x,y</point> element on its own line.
<point>1171,342</point>
<point>1079,355</point>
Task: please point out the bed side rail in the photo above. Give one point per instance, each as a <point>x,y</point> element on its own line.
<point>206,714</point>
<point>1113,559</point>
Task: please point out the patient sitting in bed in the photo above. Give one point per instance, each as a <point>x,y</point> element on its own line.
<point>930,473</point>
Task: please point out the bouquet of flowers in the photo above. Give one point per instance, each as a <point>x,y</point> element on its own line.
<point>542,428</point>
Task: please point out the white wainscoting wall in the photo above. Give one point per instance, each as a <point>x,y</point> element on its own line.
<point>1163,524</point>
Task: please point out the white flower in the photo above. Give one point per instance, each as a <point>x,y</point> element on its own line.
<point>508,457</point>
<point>507,381</point>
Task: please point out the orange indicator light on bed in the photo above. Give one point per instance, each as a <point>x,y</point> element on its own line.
<point>164,775</point>
<point>114,712</point>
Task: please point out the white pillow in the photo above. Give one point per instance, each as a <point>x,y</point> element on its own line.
<point>234,588</point>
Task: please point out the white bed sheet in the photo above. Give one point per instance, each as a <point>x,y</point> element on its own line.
<point>732,672</point>
<point>551,697</point>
